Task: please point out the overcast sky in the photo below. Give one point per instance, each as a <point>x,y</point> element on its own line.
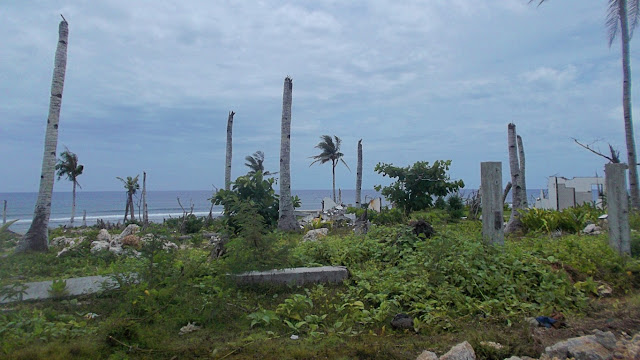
<point>149,85</point>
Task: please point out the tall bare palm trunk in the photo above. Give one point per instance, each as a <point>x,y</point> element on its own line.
<point>227,168</point>
<point>145,211</point>
<point>36,238</point>
<point>524,203</point>
<point>287,219</point>
<point>131,209</point>
<point>359,174</point>
<point>514,223</point>
<point>73,203</point>
<point>333,177</point>
<point>626,106</point>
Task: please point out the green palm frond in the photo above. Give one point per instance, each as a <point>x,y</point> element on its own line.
<point>131,184</point>
<point>68,166</point>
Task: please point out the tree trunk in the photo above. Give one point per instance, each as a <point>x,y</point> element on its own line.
<point>227,168</point>
<point>506,192</point>
<point>287,219</point>
<point>359,174</point>
<point>131,209</point>
<point>145,211</point>
<point>73,203</point>
<point>36,238</point>
<point>626,106</point>
<point>333,177</point>
<point>524,203</point>
<point>126,210</point>
<point>514,223</point>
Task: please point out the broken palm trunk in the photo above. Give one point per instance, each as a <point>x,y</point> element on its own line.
<point>517,181</point>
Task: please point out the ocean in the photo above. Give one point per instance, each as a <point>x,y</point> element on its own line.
<point>109,205</point>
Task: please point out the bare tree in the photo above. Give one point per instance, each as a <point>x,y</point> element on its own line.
<point>287,219</point>
<point>227,168</point>
<point>523,183</point>
<point>359,174</point>
<point>514,223</point>
<point>37,237</point>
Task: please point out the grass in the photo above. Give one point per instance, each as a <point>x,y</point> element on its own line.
<point>454,287</point>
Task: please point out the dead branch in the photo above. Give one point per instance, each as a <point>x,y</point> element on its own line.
<point>614,159</point>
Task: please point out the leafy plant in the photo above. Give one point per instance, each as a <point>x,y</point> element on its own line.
<point>58,288</point>
<point>417,185</point>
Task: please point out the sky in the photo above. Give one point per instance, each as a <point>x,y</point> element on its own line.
<point>149,85</point>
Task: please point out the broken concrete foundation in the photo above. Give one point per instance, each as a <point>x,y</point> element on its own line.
<point>295,276</point>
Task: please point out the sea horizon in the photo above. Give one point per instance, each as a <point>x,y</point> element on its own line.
<point>162,204</point>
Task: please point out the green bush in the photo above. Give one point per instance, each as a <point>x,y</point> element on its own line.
<point>417,185</point>
<point>571,220</point>
<point>455,207</point>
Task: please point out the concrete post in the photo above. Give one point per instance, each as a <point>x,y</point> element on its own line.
<point>84,218</point>
<point>618,207</point>
<point>491,194</point>
<point>4,213</point>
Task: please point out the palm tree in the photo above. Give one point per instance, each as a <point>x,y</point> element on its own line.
<point>330,152</point>
<point>36,238</point>
<point>131,184</point>
<point>618,15</point>
<point>255,163</point>
<point>68,166</point>
<point>287,219</point>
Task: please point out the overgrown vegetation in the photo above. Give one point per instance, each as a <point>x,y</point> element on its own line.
<point>445,283</point>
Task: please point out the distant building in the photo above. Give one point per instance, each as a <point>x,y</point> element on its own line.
<point>563,193</point>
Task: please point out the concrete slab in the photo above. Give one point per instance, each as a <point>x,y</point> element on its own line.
<point>75,287</point>
<point>295,276</point>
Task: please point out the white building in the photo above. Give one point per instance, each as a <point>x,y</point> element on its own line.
<point>564,193</point>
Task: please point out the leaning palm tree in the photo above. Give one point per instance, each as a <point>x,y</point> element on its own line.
<point>131,184</point>
<point>255,163</point>
<point>619,14</point>
<point>330,152</point>
<point>36,238</point>
<point>68,166</point>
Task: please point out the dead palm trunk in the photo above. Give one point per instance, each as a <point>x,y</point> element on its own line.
<point>287,219</point>
<point>131,209</point>
<point>523,183</point>
<point>145,212</point>
<point>36,238</point>
<point>227,168</point>
<point>626,106</point>
<point>126,210</point>
<point>73,203</point>
<point>514,223</point>
<point>333,173</point>
<point>359,174</point>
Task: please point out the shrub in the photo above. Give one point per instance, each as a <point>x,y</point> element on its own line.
<point>417,185</point>
<point>455,207</point>
<point>571,220</point>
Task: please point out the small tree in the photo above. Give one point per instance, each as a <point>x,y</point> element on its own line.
<point>132,185</point>
<point>254,190</point>
<point>417,185</point>
<point>330,152</point>
<point>68,166</point>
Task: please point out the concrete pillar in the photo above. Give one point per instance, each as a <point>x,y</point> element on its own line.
<point>618,207</point>
<point>491,193</point>
<point>4,213</point>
